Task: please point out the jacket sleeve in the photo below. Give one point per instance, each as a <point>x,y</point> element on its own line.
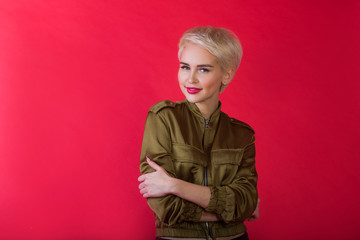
<point>157,145</point>
<point>237,200</point>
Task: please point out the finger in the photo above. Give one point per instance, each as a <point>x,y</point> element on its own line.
<point>254,217</point>
<point>145,194</point>
<point>143,191</point>
<point>141,185</point>
<point>153,164</point>
<point>142,178</point>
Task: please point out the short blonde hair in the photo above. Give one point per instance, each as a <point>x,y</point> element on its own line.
<point>220,42</point>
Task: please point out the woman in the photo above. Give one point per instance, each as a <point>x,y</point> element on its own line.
<point>197,163</point>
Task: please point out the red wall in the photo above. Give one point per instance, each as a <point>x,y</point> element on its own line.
<point>77,78</point>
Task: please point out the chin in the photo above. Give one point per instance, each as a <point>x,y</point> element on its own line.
<point>191,99</point>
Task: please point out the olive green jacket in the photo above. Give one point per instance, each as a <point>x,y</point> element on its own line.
<point>219,153</point>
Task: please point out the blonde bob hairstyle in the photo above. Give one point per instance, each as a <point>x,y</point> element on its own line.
<point>220,42</point>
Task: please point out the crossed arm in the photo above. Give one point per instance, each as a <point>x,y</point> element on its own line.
<point>174,200</point>
<point>159,184</point>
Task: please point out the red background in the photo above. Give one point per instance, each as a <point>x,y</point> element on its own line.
<point>77,78</point>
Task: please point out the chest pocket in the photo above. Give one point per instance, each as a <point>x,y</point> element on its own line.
<point>189,163</point>
<point>226,163</point>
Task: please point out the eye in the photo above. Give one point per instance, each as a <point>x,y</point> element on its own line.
<point>204,70</point>
<point>184,67</point>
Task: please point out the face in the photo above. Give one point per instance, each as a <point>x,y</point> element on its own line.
<point>200,76</point>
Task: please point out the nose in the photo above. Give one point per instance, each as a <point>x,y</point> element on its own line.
<point>192,78</point>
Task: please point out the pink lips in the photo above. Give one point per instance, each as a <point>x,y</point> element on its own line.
<point>193,90</point>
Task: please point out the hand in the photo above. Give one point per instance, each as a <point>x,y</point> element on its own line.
<point>255,214</point>
<point>155,184</point>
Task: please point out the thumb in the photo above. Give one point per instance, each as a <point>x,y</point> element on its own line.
<point>153,164</point>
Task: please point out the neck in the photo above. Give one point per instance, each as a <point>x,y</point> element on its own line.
<point>207,109</point>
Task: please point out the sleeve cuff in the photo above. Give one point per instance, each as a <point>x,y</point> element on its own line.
<point>222,202</point>
<point>192,212</point>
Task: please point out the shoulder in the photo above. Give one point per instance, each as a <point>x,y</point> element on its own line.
<point>237,123</point>
<point>165,111</point>
<point>157,107</point>
<point>242,124</point>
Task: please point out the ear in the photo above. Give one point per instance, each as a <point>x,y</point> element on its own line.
<point>228,76</point>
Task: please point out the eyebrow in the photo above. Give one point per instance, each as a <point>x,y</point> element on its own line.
<point>201,65</point>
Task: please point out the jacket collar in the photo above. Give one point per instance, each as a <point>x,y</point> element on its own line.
<point>194,109</point>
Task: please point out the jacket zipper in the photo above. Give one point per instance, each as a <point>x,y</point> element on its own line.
<point>207,121</point>
<point>206,183</point>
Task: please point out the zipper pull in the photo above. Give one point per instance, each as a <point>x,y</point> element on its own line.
<point>207,121</point>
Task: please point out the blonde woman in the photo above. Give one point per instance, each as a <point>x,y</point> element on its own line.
<point>198,164</point>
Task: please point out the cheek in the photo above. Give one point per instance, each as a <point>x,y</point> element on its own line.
<point>181,77</point>
<point>212,83</point>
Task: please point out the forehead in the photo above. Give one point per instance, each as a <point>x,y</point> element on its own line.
<point>194,54</point>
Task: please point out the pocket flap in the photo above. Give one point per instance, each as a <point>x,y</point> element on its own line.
<point>187,153</point>
<point>227,156</point>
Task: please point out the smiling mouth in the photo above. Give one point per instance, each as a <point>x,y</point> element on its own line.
<point>192,90</point>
